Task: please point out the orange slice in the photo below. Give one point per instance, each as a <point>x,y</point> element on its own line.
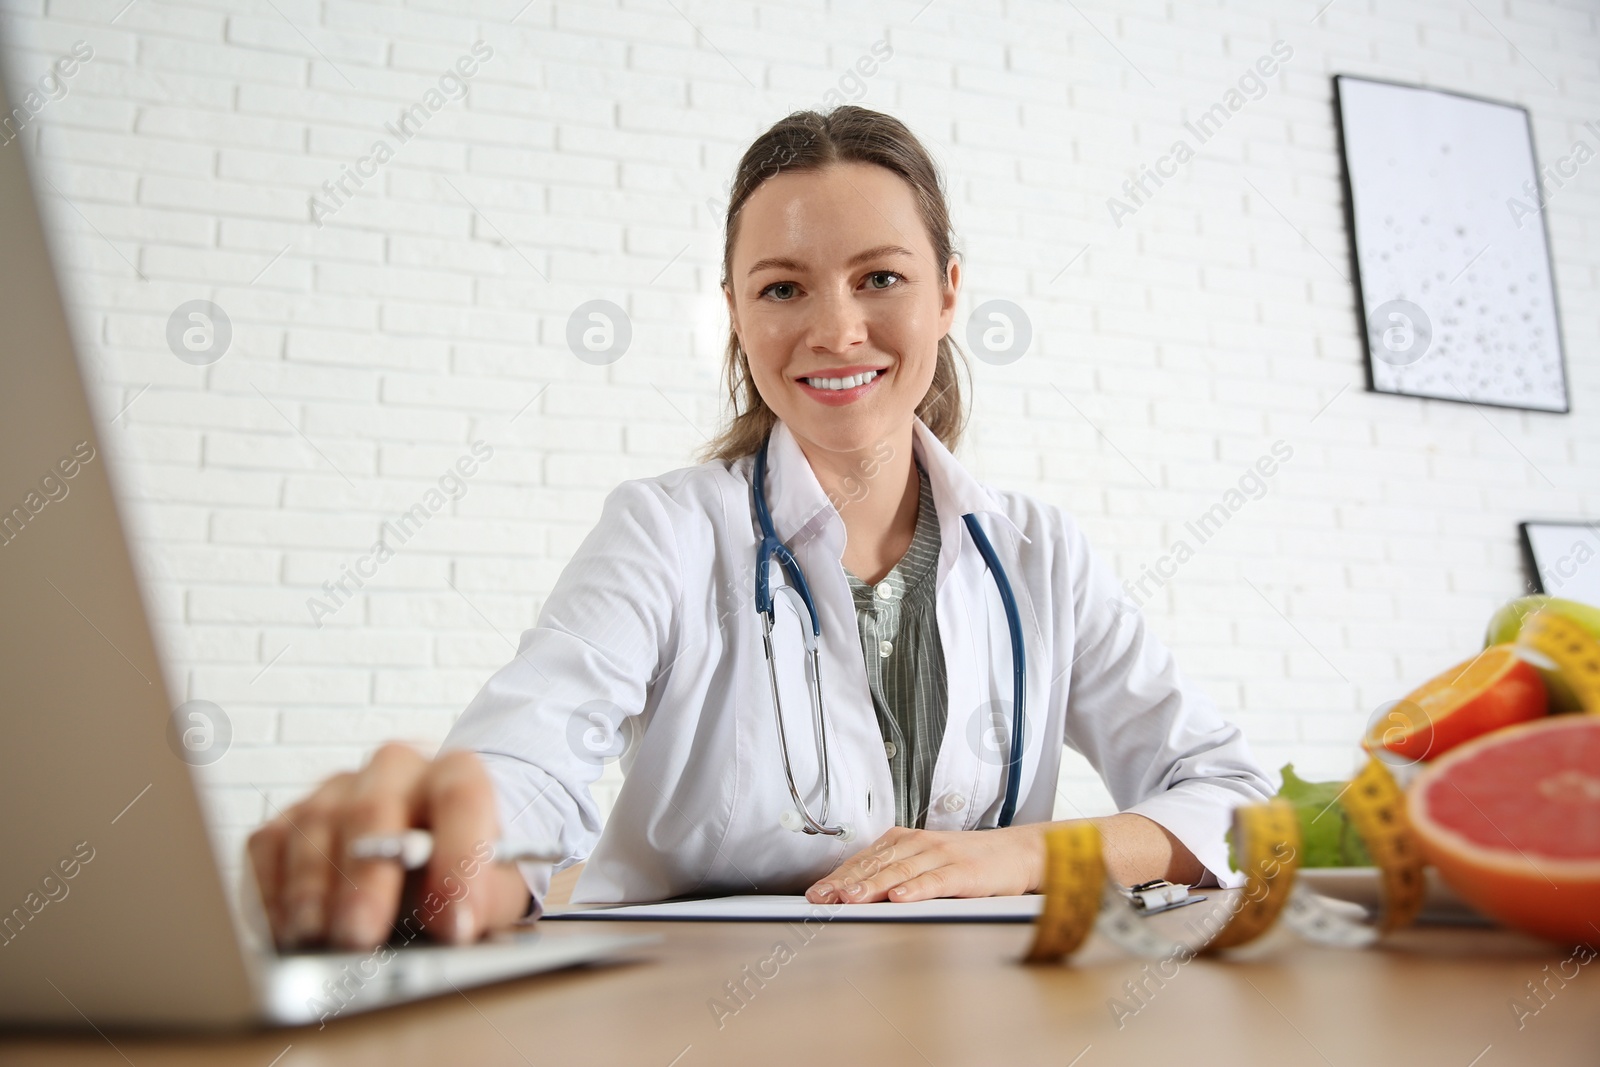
<point>1493,689</point>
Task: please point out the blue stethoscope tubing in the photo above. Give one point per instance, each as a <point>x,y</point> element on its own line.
<point>771,548</point>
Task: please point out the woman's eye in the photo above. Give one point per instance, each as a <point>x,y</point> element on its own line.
<point>783,298</point>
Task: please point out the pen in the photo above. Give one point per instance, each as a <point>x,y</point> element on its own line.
<point>413,847</point>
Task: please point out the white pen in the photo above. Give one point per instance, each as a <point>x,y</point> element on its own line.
<point>413,847</point>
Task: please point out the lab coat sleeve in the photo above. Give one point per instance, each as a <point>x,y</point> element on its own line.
<point>546,723</point>
<point>1155,737</point>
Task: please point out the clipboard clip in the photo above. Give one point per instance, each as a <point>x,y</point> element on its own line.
<point>1158,894</point>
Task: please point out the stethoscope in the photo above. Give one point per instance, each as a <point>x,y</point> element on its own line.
<point>800,818</point>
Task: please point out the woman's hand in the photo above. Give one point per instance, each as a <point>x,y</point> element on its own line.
<point>906,864</point>
<point>314,894</point>
<point>909,864</point>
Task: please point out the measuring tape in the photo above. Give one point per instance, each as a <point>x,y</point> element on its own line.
<point>1080,897</point>
<point>1571,648</point>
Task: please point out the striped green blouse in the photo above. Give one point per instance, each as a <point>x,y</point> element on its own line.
<point>905,661</point>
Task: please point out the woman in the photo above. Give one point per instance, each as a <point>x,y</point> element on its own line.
<point>841,286</point>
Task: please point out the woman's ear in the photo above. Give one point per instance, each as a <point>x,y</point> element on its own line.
<point>949,293</point>
<point>733,311</point>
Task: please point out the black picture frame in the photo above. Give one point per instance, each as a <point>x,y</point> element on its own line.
<point>1536,567</point>
<point>1365,330</point>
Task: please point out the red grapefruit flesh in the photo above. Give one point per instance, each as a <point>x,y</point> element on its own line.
<point>1512,822</point>
<point>1495,688</point>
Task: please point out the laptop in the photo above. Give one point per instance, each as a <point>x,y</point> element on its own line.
<point>113,910</point>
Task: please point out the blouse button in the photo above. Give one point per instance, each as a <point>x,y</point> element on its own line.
<point>889,750</point>
<point>885,591</point>
<point>954,802</point>
<point>884,648</point>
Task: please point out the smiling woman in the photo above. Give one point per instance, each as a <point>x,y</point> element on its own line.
<point>969,634</point>
<point>852,173</point>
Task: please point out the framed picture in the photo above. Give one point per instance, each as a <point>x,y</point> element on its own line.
<point>1446,203</point>
<point>1563,558</point>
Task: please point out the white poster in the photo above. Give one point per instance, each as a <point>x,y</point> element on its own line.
<point>1566,558</point>
<point>1454,266</point>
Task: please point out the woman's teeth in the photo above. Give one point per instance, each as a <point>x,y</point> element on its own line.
<point>842,383</point>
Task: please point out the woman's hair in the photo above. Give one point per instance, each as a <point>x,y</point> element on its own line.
<point>809,141</point>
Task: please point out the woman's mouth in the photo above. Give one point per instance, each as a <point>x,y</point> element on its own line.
<point>836,391</point>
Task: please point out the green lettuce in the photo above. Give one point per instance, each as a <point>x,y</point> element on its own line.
<point>1327,837</point>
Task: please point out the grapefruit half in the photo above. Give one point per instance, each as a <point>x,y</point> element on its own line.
<point>1495,688</point>
<point>1512,822</point>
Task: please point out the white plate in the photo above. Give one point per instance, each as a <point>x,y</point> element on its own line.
<point>1362,885</point>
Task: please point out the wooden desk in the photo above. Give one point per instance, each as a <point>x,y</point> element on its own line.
<point>948,995</point>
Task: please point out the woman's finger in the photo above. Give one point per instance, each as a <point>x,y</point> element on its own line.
<point>897,844</point>
<point>265,849</point>
<point>942,880</point>
<point>463,892</point>
<point>909,864</point>
<point>309,865</point>
<point>382,800</point>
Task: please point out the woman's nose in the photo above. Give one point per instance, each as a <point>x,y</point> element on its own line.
<point>838,323</point>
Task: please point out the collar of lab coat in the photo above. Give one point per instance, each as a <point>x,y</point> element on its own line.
<point>801,509</point>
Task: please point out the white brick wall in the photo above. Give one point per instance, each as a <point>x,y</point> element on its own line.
<point>370,352</point>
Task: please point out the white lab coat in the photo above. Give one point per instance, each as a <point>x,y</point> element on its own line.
<point>650,638</point>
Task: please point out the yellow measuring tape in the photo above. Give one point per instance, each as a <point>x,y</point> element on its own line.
<point>1080,897</point>
<point>1074,873</point>
<point>1573,651</point>
<point>1266,838</point>
<point>1377,809</point>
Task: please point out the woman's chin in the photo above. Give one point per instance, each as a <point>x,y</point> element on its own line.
<point>845,433</point>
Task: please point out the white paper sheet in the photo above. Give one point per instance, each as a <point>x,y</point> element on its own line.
<point>767,908</point>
